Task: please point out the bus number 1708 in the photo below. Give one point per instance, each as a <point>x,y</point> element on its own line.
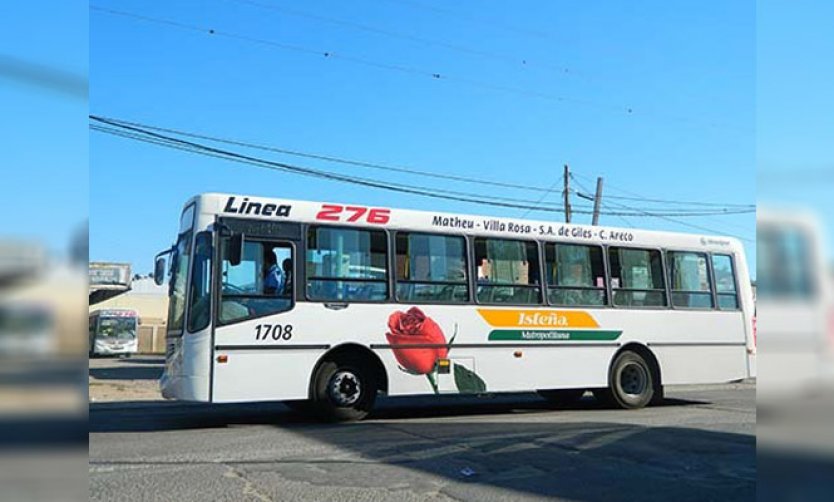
<point>276,331</point>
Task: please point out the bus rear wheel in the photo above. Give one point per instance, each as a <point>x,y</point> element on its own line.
<point>344,391</point>
<point>630,382</point>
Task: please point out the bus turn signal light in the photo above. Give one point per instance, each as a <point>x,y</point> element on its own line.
<point>222,358</point>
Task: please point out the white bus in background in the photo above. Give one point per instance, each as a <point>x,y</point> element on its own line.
<point>113,332</point>
<point>401,302</point>
<point>795,304</point>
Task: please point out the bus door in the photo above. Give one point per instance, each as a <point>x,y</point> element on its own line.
<point>256,290</point>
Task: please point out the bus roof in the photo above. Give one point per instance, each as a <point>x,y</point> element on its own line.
<point>277,209</point>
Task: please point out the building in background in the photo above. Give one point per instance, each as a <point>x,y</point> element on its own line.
<point>108,280</point>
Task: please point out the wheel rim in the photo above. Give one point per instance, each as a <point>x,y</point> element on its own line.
<point>344,388</point>
<point>634,379</point>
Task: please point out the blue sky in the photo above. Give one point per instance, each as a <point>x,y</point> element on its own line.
<point>44,131</point>
<point>686,70</point>
<point>795,107</point>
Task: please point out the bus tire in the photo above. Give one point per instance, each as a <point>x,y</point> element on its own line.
<point>344,390</point>
<point>630,382</point>
<point>562,396</point>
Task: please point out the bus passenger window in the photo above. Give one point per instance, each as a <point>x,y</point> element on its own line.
<point>725,281</point>
<point>575,275</point>
<point>431,268</point>
<point>508,271</point>
<point>256,286</point>
<point>345,265</point>
<point>637,277</point>
<point>689,275</point>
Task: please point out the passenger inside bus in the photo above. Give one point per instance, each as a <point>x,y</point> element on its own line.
<point>274,276</point>
<point>258,285</point>
<point>286,266</point>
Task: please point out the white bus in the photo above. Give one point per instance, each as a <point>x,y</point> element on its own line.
<point>400,302</point>
<point>112,332</point>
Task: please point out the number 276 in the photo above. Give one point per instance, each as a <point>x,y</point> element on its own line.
<point>335,212</point>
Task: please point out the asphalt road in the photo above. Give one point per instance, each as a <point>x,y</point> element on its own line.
<point>700,445</point>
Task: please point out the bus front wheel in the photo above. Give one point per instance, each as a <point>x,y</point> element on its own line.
<point>344,390</point>
<point>630,382</point>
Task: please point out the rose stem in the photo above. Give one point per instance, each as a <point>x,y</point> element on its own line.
<point>432,382</point>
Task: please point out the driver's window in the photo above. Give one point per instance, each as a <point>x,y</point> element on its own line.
<point>262,284</point>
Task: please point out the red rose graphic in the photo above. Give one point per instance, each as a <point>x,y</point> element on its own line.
<point>414,328</point>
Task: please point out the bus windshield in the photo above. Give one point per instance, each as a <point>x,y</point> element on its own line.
<point>118,328</point>
<point>179,271</point>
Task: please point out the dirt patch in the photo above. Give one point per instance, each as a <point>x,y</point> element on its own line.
<point>124,380</point>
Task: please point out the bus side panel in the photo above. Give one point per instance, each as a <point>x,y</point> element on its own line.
<point>704,364</point>
<point>691,346</point>
<point>264,375</point>
<point>510,369</point>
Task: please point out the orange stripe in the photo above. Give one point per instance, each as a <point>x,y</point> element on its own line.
<point>539,318</point>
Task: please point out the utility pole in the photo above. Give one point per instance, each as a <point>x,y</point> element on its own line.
<point>566,194</point>
<point>597,202</point>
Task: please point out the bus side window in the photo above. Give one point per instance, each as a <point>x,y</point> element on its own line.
<point>431,268</point>
<point>345,264</point>
<point>637,277</point>
<point>689,275</point>
<point>575,274</point>
<point>256,286</point>
<point>508,271</point>
<point>725,281</point>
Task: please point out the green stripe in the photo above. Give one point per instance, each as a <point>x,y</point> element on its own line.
<point>549,335</point>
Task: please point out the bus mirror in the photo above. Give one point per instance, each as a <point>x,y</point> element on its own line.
<point>235,249</point>
<point>159,270</point>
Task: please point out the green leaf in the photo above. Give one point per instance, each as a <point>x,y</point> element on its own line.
<point>468,381</point>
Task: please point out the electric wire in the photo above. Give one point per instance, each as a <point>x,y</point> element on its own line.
<point>136,133</point>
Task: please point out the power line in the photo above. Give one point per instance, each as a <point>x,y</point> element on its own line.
<point>497,56</point>
<point>329,158</point>
<point>435,75</point>
<point>493,23</point>
<point>668,218</point>
<point>680,202</point>
<point>639,198</point>
<point>686,224</point>
<point>689,211</point>
<point>166,142</point>
<point>333,158</point>
<point>603,204</point>
<point>545,194</point>
<point>170,142</point>
<point>137,133</point>
<point>714,221</point>
<point>368,62</point>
